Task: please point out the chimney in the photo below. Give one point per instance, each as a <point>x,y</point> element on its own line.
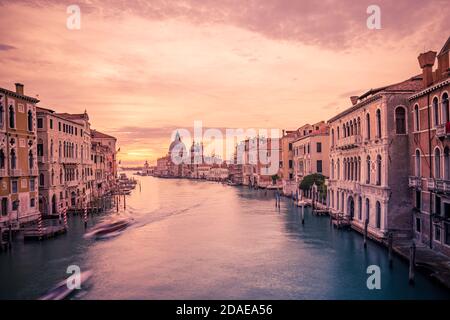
<point>354,99</point>
<point>426,62</point>
<point>19,88</point>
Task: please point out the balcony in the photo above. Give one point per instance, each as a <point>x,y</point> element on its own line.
<point>3,173</point>
<point>349,142</point>
<point>34,172</point>
<point>431,184</point>
<point>16,172</point>
<point>414,182</point>
<point>443,130</point>
<point>442,186</point>
<point>70,184</point>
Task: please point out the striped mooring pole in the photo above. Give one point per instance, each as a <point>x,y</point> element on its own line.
<point>85,216</point>
<point>65,218</point>
<point>40,227</point>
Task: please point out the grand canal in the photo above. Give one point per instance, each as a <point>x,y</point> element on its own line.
<point>203,240</point>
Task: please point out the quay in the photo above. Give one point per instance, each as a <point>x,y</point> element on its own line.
<point>43,233</point>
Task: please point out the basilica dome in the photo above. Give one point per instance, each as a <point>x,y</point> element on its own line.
<point>178,144</point>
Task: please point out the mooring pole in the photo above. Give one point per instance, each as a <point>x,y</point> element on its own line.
<point>124,202</point>
<point>303,213</point>
<point>390,244</point>
<point>412,262</point>
<point>366,224</point>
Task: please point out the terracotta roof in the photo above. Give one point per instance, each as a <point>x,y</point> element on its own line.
<point>101,135</point>
<point>17,95</point>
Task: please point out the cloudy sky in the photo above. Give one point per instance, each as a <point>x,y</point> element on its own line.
<point>144,68</point>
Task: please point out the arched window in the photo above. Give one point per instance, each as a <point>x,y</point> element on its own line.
<point>338,169</point>
<point>368,170</point>
<point>416,118</point>
<point>2,159</point>
<point>30,160</point>
<point>338,133</point>
<point>368,126</point>
<point>345,168</point>
<point>60,150</point>
<point>400,120</point>
<point>13,159</point>
<point>332,169</point>
<point>53,177</point>
<point>30,120</point>
<point>12,118</point>
<point>378,215</point>
<point>41,180</point>
<point>367,210</point>
<point>435,111</point>
<point>359,169</point>
<point>437,163</point>
<point>344,130</point>
<point>446,163</point>
<point>378,170</point>
<point>445,108</point>
<point>351,127</point>
<point>358,126</point>
<point>378,115</point>
<point>2,113</point>
<point>61,176</point>
<point>51,148</point>
<point>417,163</point>
<point>359,208</point>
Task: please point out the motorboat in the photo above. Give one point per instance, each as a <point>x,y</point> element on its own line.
<point>62,290</point>
<point>108,228</point>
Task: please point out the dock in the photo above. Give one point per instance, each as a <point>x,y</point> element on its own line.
<point>44,233</point>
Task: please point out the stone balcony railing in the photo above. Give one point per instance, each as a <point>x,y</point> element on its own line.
<point>3,173</point>
<point>443,130</point>
<point>349,142</point>
<point>70,184</point>
<point>414,182</point>
<point>431,184</point>
<point>15,172</point>
<point>439,185</point>
<point>34,172</point>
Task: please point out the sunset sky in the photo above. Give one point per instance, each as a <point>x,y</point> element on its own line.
<point>144,68</point>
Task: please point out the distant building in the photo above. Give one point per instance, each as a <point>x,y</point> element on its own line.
<point>287,161</point>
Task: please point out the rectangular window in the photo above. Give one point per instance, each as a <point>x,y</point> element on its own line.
<point>290,164</point>
<point>32,203</point>
<point>59,126</point>
<point>14,186</point>
<point>418,225</point>
<point>447,233</point>
<point>291,176</point>
<point>51,123</point>
<point>290,146</point>
<point>319,166</point>
<point>319,147</point>
<point>40,123</point>
<point>76,131</point>
<point>4,206</point>
<point>437,205</point>
<point>437,232</point>
<point>446,210</point>
<point>418,200</point>
<point>32,185</point>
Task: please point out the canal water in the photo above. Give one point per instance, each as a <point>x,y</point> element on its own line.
<point>204,240</point>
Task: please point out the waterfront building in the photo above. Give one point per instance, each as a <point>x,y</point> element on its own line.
<point>311,151</point>
<point>165,166</point>
<point>18,157</point>
<point>287,161</point>
<point>368,177</point>
<point>102,170</point>
<point>429,131</point>
<point>219,172</point>
<point>66,176</point>
<point>108,144</point>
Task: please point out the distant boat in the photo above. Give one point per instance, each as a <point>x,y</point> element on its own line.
<point>62,291</point>
<point>105,229</point>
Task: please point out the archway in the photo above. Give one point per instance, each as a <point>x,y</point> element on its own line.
<point>54,207</point>
<point>351,207</point>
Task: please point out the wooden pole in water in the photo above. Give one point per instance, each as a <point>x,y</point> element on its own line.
<point>303,213</point>
<point>412,262</point>
<point>124,202</point>
<point>390,244</point>
<point>10,236</point>
<point>117,203</point>
<point>366,224</point>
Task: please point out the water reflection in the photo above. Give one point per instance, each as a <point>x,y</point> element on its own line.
<point>203,240</point>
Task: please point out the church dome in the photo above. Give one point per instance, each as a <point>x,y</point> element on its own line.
<point>177,141</point>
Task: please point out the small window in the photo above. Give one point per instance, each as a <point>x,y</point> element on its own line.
<point>15,205</point>
<point>418,225</point>
<point>32,185</point>
<point>59,126</point>
<point>4,207</point>
<point>319,166</point>
<point>32,203</point>
<point>51,123</point>
<point>14,186</point>
<point>319,147</point>
<point>437,232</point>
<point>40,123</point>
<point>400,120</point>
<point>418,200</point>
